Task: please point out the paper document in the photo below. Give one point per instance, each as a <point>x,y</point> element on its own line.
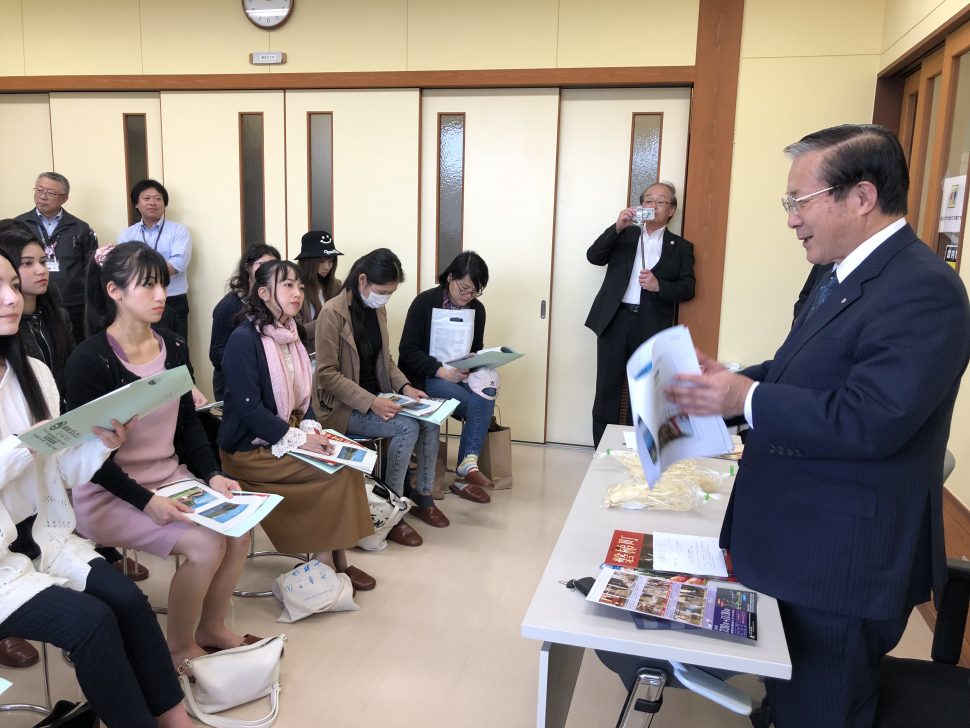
<point>490,358</point>
<point>137,398</point>
<point>664,435</point>
<point>709,605</point>
<point>210,406</point>
<point>630,439</point>
<point>345,452</point>
<point>429,410</point>
<point>4,685</point>
<point>231,517</point>
<point>688,554</point>
<point>452,332</point>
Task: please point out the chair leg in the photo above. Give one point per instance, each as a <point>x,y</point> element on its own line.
<point>254,554</point>
<point>644,699</point>
<point>33,707</point>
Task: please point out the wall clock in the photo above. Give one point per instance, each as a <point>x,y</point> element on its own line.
<point>268,14</point>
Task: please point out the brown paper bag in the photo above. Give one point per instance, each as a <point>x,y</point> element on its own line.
<point>495,459</point>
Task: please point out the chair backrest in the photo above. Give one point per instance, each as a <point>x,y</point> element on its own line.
<point>951,619</point>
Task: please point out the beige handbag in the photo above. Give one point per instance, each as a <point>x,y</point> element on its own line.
<point>228,678</point>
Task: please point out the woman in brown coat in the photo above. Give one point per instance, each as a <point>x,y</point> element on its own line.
<point>354,366</point>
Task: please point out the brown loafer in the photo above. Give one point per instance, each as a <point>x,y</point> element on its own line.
<point>361,580</point>
<point>470,492</point>
<point>431,515</point>
<point>248,639</point>
<point>476,477</point>
<point>403,534</point>
<point>15,652</point>
<point>136,572</point>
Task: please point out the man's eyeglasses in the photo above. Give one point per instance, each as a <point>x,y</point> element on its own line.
<point>791,203</point>
<point>44,192</point>
<point>656,203</point>
<point>468,291</point>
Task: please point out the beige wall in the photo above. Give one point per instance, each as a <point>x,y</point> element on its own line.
<point>909,22</point>
<point>187,36</point>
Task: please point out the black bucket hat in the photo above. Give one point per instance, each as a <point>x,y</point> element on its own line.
<point>317,244</point>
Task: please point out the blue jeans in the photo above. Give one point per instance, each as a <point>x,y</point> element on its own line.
<point>407,435</point>
<point>474,409</point>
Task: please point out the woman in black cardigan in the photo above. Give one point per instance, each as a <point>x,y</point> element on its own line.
<point>125,295</point>
<point>459,287</point>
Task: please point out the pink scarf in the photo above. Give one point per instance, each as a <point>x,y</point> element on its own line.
<point>292,393</point>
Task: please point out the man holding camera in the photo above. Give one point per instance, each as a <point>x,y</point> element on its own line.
<point>649,271</point>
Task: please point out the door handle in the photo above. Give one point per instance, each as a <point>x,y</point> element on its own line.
<point>542,309</point>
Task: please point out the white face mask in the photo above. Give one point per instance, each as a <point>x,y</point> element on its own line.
<point>375,300</point>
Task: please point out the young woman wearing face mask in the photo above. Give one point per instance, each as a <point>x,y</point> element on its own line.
<point>69,596</point>
<point>125,296</point>
<point>267,413</point>
<point>354,365</point>
<point>225,312</point>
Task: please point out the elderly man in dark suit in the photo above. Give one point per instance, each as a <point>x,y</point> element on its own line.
<point>649,271</point>
<point>837,506</point>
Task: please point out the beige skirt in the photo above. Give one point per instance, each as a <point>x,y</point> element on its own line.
<point>319,512</point>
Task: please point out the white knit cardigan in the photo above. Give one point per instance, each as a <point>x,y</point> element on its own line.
<point>32,483</point>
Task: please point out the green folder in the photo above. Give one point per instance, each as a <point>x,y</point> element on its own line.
<point>137,398</point>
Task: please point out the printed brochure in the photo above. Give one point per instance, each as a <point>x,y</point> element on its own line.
<point>696,601</point>
<point>664,434</point>
<point>231,517</point>
<point>429,410</point>
<point>346,452</point>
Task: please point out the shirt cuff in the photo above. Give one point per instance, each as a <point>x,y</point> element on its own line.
<point>292,440</point>
<point>748,415</point>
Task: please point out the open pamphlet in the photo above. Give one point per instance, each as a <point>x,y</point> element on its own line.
<point>695,600</point>
<point>137,398</point>
<point>674,553</point>
<point>647,574</point>
<point>209,406</point>
<point>345,452</point>
<point>664,435</point>
<point>231,517</point>
<point>430,409</point>
<point>491,358</point>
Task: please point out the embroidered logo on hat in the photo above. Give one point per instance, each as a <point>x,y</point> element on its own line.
<point>485,383</point>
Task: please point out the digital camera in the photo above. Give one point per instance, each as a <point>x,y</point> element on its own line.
<point>643,214</point>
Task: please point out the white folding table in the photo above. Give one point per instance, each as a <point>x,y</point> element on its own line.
<point>567,624</point>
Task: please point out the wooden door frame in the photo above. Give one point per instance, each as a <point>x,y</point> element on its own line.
<point>713,79</point>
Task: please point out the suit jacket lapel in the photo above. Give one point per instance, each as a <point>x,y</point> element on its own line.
<point>841,298</point>
<point>666,247</point>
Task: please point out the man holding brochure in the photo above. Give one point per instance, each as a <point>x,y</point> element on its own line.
<point>837,506</point>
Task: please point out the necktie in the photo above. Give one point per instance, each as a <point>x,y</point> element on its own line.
<point>828,285</point>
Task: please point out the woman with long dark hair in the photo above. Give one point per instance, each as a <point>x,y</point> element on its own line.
<point>318,273</point>
<point>354,366</point>
<point>125,296</point>
<point>459,286</point>
<point>267,414</point>
<point>225,312</point>
<point>69,596</point>
<point>45,327</point>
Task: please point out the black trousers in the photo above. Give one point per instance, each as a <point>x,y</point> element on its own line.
<point>120,657</point>
<point>613,348</point>
<point>835,663</point>
<point>179,306</point>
